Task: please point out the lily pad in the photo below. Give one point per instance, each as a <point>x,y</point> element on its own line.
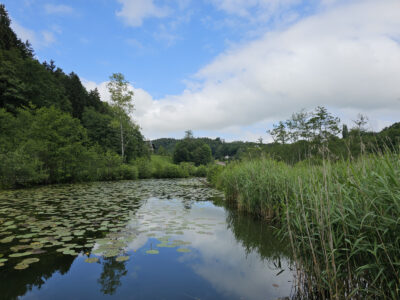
<point>111,253</point>
<point>29,261</point>
<point>152,252</point>
<point>20,254</point>
<point>70,252</point>
<point>184,250</point>
<point>122,258</point>
<point>8,239</point>
<point>91,260</point>
<point>21,267</point>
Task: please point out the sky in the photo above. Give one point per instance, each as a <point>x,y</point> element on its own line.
<point>226,68</point>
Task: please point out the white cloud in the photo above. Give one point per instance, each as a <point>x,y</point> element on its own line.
<point>134,12</point>
<point>58,9</point>
<point>39,40</point>
<point>23,33</point>
<point>346,58</point>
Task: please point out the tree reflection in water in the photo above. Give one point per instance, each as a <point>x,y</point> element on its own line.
<point>110,278</point>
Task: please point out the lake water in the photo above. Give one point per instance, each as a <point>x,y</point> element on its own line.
<point>148,239</point>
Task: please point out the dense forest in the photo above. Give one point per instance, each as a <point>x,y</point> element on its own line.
<point>52,129</point>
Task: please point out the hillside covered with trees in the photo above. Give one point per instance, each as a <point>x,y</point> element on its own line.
<point>52,129</point>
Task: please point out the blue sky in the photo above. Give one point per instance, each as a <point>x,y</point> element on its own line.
<point>226,68</point>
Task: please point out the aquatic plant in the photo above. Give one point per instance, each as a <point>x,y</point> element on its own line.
<point>343,220</point>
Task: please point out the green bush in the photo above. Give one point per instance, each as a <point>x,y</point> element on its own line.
<point>201,171</point>
<point>128,172</point>
<point>172,171</point>
<point>144,167</point>
<point>213,173</point>
<point>18,169</point>
<point>189,169</point>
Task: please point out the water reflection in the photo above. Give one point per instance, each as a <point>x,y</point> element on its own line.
<point>110,277</point>
<point>14,283</point>
<point>205,251</point>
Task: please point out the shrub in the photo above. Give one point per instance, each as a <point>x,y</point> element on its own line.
<point>128,172</point>
<point>144,167</point>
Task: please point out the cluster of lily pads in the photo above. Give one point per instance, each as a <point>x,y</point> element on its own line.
<point>102,219</point>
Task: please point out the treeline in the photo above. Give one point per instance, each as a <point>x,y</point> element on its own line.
<point>299,138</point>
<point>219,148</point>
<point>52,129</point>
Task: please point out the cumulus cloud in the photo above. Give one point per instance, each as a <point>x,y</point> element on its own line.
<point>345,57</point>
<point>133,12</point>
<point>58,9</point>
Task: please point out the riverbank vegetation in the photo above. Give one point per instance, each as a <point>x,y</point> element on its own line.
<point>340,213</point>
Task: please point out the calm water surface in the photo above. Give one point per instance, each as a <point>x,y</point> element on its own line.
<point>151,239</point>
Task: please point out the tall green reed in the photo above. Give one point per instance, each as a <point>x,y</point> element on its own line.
<point>343,220</point>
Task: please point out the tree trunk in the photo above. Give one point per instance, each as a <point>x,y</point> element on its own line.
<point>122,142</point>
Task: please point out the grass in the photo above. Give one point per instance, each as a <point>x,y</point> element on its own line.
<point>343,220</point>
<point>162,167</point>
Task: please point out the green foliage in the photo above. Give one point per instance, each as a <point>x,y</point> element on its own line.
<point>317,126</point>
<point>342,219</point>
<point>200,171</point>
<point>8,39</point>
<point>17,168</point>
<point>161,167</point>
<point>213,174</point>
<point>121,98</point>
<point>47,145</point>
<point>192,150</point>
<point>144,167</point>
<point>219,148</point>
<point>128,172</point>
<point>202,155</point>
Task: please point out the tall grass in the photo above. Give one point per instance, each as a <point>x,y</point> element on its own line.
<point>343,220</point>
<point>159,166</point>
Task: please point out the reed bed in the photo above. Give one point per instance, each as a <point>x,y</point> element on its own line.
<point>343,220</point>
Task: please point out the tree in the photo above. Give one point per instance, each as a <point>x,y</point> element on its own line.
<point>188,134</point>
<point>298,126</point>
<point>121,97</point>
<point>202,155</point>
<point>8,38</point>
<point>361,122</point>
<point>279,133</point>
<point>345,131</point>
<point>323,124</point>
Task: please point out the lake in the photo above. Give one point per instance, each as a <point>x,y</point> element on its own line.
<point>147,239</point>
